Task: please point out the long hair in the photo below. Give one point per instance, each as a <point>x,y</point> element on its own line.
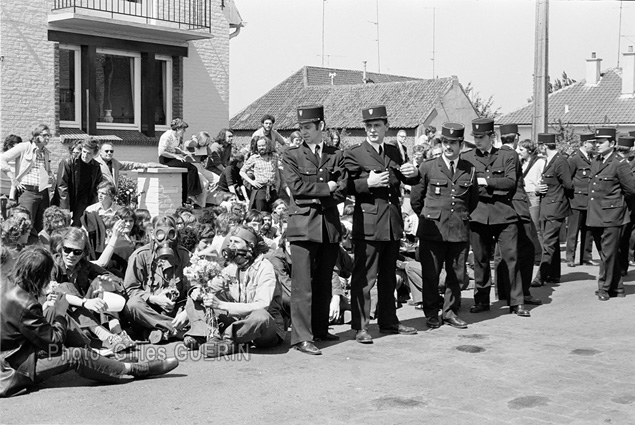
<point>32,269</point>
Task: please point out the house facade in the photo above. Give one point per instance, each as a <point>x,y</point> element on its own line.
<point>603,98</point>
<point>120,70</point>
<point>412,104</point>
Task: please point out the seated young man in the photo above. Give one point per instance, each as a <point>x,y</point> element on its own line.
<point>247,299</point>
<point>154,282</point>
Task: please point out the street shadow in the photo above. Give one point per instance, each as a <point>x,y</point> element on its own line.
<point>577,276</point>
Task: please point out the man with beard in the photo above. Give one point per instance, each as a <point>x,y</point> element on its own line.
<point>444,199</point>
<point>249,302</point>
<point>376,173</point>
<point>267,131</point>
<point>494,219</point>
<point>154,282</point>
<point>263,166</point>
<point>316,177</point>
<point>611,192</point>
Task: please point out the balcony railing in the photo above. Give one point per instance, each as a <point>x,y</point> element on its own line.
<point>182,14</point>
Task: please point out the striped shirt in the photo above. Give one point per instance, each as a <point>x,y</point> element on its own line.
<point>263,167</point>
<point>33,176</point>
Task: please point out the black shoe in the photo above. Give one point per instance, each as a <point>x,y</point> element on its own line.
<point>536,283</point>
<point>532,300</point>
<point>570,264</point>
<point>362,336</point>
<point>307,347</point>
<point>590,263</point>
<point>553,280</point>
<point>603,296</point>
<point>455,322</point>
<point>326,337</point>
<point>399,329</point>
<point>433,322</point>
<point>479,308</point>
<point>153,368</point>
<point>519,310</point>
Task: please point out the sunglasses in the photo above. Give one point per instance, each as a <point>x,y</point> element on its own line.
<point>68,250</point>
<point>108,150</point>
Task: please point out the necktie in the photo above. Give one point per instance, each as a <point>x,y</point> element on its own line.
<point>381,151</point>
<point>317,152</point>
<point>452,168</point>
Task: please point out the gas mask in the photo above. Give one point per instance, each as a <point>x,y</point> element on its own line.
<point>165,237</point>
<point>241,257</point>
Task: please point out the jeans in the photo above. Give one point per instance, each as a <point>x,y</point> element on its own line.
<point>87,363</point>
<point>36,203</point>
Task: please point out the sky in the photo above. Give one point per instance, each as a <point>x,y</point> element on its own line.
<point>489,43</point>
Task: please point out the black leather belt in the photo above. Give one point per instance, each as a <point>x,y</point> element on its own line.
<point>31,188</point>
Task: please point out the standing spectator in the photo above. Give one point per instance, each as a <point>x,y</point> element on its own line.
<point>264,168</point>
<point>173,155</point>
<point>427,138</point>
<point>555,190</point>
<point>110,167</point>
<point>400,142</point>
<point>580,166</point>
<point>268,132</point>
<point>611,189</point>
<point>532,166</point>
<point>444,198</point>
<point>316,177</point>
<point>77,182</point>
<point>494,219</point>
<point>7,188</point>
<point>334,138</point>
<point>32,175</point>
<point>376,173</point>
<point>295,139</point>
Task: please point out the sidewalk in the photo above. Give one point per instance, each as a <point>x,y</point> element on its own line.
<point>572,362</point>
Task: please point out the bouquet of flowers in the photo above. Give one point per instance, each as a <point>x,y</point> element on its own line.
<point>201,274</point>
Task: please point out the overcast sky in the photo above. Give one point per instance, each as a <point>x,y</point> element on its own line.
<point>487,42</point>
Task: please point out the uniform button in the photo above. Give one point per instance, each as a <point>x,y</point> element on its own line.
<point>320,170</point>
<point>451,210</point>
<point>591,198</point>
<point>593,191</point>
<point>321,179</point>
<point>452,190</point>
<point>452,203</point>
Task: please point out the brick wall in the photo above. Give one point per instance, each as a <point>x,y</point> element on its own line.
<point>27,84</point>
<point>206,78</point>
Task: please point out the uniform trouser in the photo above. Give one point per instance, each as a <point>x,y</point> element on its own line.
<point>311,277</point>
<point>258,327</point>
<point>607,243</point>
<point>550,263</point>
<point>526,253</point>
<point>482,237</point>
<point>625,240</point>
<point>36,203</point>
<point>375,262</point>
<point>577,224</point>
<point>433,256</point>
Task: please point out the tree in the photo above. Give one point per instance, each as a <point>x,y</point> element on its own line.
<point>558,84</point>
<point>484,107</point>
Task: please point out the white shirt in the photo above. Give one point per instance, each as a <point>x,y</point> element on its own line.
<point>532,179</point>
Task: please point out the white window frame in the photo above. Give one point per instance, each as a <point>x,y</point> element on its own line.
<point>168,91</point>
<point>137,91</point>
<point>77,123</point>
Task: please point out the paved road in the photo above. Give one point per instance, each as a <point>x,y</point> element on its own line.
<point>572,362</point>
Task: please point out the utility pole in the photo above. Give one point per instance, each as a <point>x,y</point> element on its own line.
<point>619,36</point>
<point>434,14</point>
<point>541,69</point>
<point>378,63</point>
<point>323,6</point>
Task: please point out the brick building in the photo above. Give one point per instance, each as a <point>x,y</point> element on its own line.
<point>117,69</point>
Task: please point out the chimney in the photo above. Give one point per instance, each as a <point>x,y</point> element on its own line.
<point>364,76</point>
<point>593,70</point>
<point>628,73</point>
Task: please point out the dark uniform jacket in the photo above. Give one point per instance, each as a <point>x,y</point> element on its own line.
<point>495,199</point>
<point>554,205</point>
<point>444,202</point>
<point>24,331</point>
<point>580,166</point>
<point>519,199</point>
<point>611,187</point>
<point>313,207</point>
<point>377,213</point>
